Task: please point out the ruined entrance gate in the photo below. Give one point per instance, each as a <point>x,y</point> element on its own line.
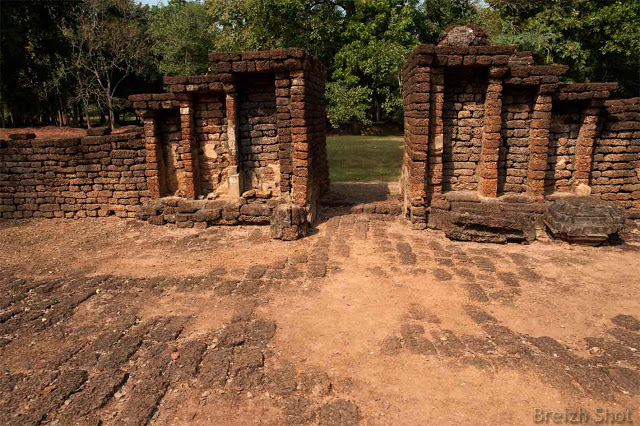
<point>491,138</point>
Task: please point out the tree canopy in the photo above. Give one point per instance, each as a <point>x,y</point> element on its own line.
<point>598,39</point>
<point>57,58</point>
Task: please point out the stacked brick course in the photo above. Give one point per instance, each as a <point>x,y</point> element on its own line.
<point>259,132</point>
<point>464,99</point>
<point>72,177</point>
<point>211,139</point>
<point>616,158</point>
<point>490,137</point>
<point>517,108</point>
<point>564,131</point>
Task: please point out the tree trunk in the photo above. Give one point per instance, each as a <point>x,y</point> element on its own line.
<point>86,111</point>
<point>112,118</point>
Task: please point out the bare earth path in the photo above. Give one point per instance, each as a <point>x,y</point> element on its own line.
<point>365,321</point>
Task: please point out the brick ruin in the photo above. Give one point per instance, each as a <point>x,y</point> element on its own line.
<point>232,146</point>
<point>491,139</point>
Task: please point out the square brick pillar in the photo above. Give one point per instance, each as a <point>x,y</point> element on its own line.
<point>300,140</point>
<point>436,134</point>
<point>154,155</point>
<point>417,97</point>
<point>234,177</point>
<point>284,122</point>
<point>584,148</point>
<point>539,141</point>
<point>491,137</point>
<point>188,150</point>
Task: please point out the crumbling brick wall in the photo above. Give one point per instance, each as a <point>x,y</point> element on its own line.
<point>464,98</point>
<point>616,158</point>
<point>513,163</point>
<point>258,132</point>
<point>564,132</point>
<point>169,134</point>
<point>211,138</point>
<point>491,138</point>
<point>72,177</point>
<point>252,132</point>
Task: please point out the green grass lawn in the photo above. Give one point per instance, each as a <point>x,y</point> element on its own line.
<point>364,158</point>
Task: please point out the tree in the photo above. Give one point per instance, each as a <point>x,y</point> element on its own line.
<point>376,39</point>
<point>33,55</point>
<point>182,36</point>
<point>270,24</point>
<point>363,43</point>
<point>598,39</point>
<point>109,45</point>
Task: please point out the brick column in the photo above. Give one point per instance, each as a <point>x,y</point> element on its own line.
<point>299,139</point>
<point>416,86</point>
<point>187,150</point>
<point>584,147</point>
<point>154,156</point>
<point>284,122</point>
<point>491,137</point>
<point>539,141</point>
<point>234,178</point>
<point>436,134</point>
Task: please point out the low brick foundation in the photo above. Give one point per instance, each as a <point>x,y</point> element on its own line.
<point>186,213</point>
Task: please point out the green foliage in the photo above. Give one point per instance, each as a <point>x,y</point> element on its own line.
<point>109,46</point>
<point>348,103</point>
<point>363,43</point>
<point>598,39</point>
<point>271,24</point>
<point>33,55</point>
<point>376,38</point>
<point>181,37</point>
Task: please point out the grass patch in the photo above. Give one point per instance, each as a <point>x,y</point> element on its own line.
<point>364,158</point>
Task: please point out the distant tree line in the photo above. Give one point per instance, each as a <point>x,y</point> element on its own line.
<point>68,62</point>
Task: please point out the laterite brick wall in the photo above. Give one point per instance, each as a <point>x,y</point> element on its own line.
<point>464,97</point>
<point>259,132</point>
<point>211,138</point>
<point>513,163</point>
<point>616,158</point>
<point>484,123</point>
<point>73,177</point>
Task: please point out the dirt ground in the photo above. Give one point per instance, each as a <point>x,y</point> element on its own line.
<point>367,321</point>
